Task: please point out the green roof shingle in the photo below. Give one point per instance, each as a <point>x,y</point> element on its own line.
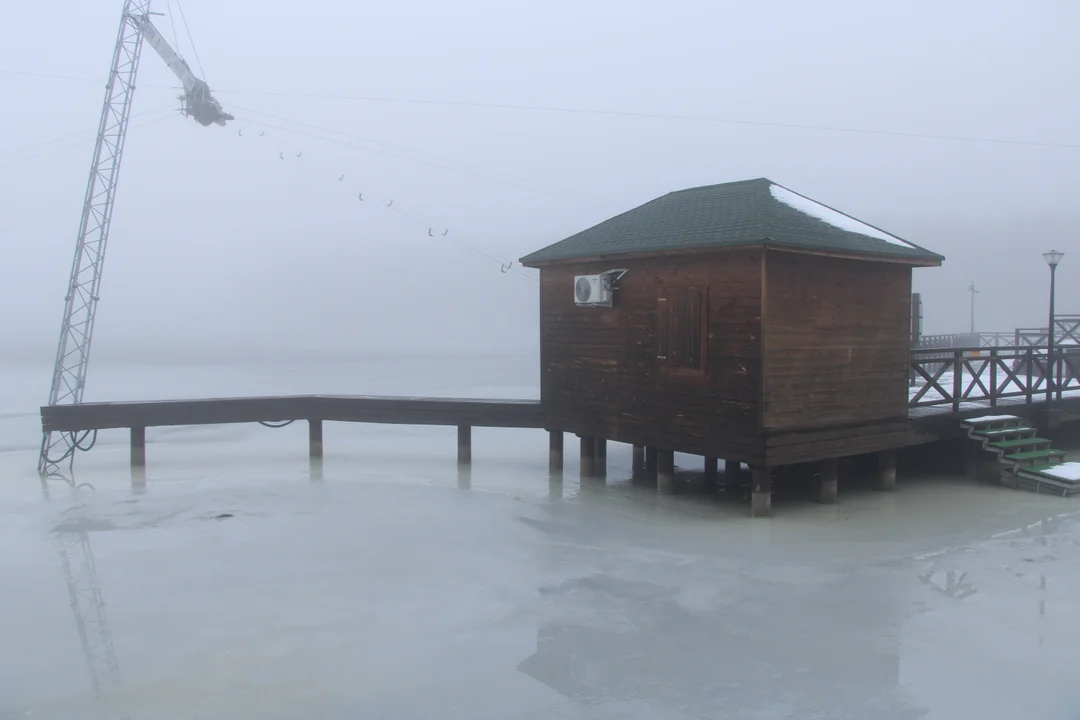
<point>745,213</point>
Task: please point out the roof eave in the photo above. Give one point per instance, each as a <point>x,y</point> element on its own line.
<point>928,259</point>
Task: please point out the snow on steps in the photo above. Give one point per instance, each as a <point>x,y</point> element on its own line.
<point>1027,462</point>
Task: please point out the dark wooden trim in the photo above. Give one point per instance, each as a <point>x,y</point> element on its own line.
<point>763,245</point>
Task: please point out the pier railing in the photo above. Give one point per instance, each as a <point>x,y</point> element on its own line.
<point>987,376</point>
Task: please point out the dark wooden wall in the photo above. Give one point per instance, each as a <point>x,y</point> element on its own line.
<point>836,355</point>
<point>600,371</point>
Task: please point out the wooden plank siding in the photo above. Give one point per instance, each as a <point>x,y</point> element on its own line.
<point>835,359</point>
<point>615,373</point>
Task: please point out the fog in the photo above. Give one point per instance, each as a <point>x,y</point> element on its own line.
<point>224,241</point>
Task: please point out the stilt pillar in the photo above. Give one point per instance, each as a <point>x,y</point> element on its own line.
<point>464,445</point>
<point>665,472</point>
<point>650,465</point>
<point>711,470</point>
<point>555,452</point>
<point>830,471</point>
<point>600,457</point>
<point>887,470</point>
<point>138,447</point>
<point>639,459</point>
<point>315,441</point>
<point>761,492</point>
<point>588,456</point>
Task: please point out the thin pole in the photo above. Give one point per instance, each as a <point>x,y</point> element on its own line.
<point>1050,342</point>
<point>974,292</point>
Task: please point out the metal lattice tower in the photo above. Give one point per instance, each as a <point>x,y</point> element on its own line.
<point>80,304</point>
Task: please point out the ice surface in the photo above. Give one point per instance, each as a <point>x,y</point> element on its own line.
<point>384,582</point>
<point>1065,471</point>
<point>833,217</point>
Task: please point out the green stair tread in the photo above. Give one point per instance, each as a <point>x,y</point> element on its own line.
<point>1039,468</point>
<point>1004,431</point>
<point>1022,442</point>
<point>1036,454</point>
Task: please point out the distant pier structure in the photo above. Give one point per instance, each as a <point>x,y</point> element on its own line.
<point>741,321</point>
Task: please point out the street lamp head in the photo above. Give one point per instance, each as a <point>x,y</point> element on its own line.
<point>1053,258</point>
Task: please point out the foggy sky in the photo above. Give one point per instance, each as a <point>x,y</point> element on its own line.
<point>218,246</point>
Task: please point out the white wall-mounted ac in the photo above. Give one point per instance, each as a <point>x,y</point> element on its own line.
<point>597,290</point>
<point>590,290</point>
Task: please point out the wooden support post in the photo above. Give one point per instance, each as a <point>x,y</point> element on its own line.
<point>464,445</point>
<point>650,465</point>
<point>732,470</point>
<point>887,470</point>
<point>830,470</point>
<point>761,493</point>
<point>711,469</point>
<point>639,459</point>
<point>314,433</point>
<point>555,452</point>
<point>600,457</point>
<point>138,447</point>
<point>588,456</point>
<point>665,472</point>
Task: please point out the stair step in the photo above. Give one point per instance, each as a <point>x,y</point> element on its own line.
<point>1038,468</point>
<point>991,421</point>
<point>1019,443</point>
<point>1005,432</point>
<point>1047,454</point>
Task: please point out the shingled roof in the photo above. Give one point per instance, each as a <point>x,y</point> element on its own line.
<point>745,213</point>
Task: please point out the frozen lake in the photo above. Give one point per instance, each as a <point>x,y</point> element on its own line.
<point>242,583</point>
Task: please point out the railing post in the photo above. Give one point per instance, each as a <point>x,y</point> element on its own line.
<point>993,377</point>
<point>1030,353</point>
<point>957,379</point>
<point>1060,366</point>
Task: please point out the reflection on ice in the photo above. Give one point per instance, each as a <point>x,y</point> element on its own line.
<point>414,589</point>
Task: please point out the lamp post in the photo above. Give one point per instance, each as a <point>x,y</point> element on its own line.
<point>1052,259</point>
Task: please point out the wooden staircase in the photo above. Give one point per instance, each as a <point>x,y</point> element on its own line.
<point>1025,460</point>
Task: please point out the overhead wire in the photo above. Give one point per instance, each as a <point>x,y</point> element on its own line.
<point>57,76</point>
<point>357,194</point>
<point>191,41</point>
<point>466,167</point>
<point>12,160</point>
<point>389,205</point>
<point>172,21</point>
<point>658,116</point>
<point>610,113</point>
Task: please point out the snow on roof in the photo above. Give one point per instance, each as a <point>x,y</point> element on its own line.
<point>1065,471</point>
<point>833,217</point>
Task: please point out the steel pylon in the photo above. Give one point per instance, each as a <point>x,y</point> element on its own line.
<point>80,303</point>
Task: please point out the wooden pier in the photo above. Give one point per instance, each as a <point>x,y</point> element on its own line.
<point>950,386</point>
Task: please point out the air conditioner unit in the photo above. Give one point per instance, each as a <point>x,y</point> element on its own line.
<point>592,290</point>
